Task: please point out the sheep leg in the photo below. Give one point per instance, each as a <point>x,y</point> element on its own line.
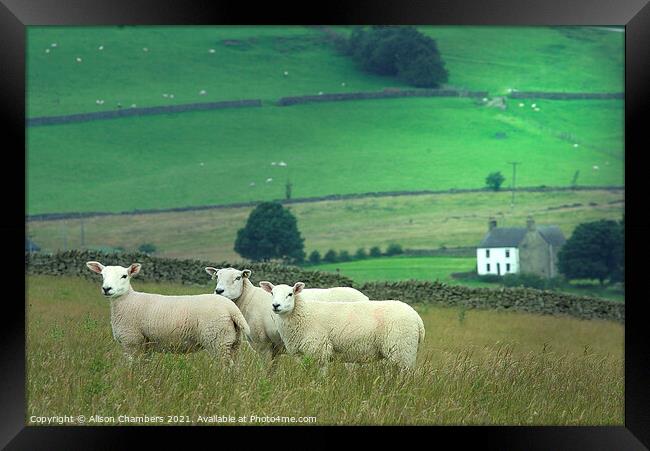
<point>324,358</point>
<point>132,351</point>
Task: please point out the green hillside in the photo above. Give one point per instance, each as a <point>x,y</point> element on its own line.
<point>569,59</point>
<point>332,148</point>
<point>249,62</point>
<point>226,156</point>
<point>418,222</point>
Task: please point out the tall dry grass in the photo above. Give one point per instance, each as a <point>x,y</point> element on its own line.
<point>476,367</point>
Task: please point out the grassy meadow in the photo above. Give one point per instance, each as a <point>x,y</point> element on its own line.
<point>401,144</point>
<point>249,62</point>
<point>401,268</point>
<point>475,367</point>
<point>558,58</point>
<point>427,221</point>
<point>405,267</point>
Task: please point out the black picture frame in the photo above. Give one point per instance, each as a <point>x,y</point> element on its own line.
<point>15,15</point>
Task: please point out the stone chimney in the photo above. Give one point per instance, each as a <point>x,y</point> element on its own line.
<point>530,223</point>
<point>492,223</point>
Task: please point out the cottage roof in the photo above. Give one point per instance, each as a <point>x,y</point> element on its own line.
<point>552,234</point>
<point>512,236</point>
<point>503,237</point>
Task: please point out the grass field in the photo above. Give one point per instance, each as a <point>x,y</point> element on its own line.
<point>401,144</point>
<point>418,222</point>
<point>476,367</point>
<point>200,158</point>
<point>401,268</point>
<point>441,268</point>
<point>249,62</point>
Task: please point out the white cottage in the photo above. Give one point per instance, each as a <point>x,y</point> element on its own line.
<point>511,250</point>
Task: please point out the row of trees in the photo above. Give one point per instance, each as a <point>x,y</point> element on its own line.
<point>331,255</point>
<point>271,232</point>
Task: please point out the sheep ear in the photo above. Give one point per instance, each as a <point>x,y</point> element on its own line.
<point>134,269</point>
<point>95,267</point>
<point>212,271</point>
<point>246,273</point>
<point>267,286</point>
<point>297,288</point>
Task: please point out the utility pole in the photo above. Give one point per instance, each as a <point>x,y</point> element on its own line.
<point>82,230</point>
<point>514,174</point>
<point>287,193</point>
<point>65,236</point>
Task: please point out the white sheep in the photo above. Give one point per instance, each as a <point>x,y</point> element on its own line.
<point>154,322</point>
<point>355,332</point>
<point>255,304</point>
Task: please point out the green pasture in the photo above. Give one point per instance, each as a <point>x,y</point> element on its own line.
<point>226,156</point>
<point>249,62</point>
<point>474,367</point>
<point>426,221</point>
<point>401,268</point>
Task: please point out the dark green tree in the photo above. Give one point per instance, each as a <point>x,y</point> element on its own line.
<point>400,51</point>
<point>394,249</point>
<point>494,180</point>
<point>330,256</point>
<point>594,251</point>
<point>147,248</point>
<point>360,254</point>
<point>375,252</point>
<point>314,257</point>
<point>344,256</point>
<point>271,232</point>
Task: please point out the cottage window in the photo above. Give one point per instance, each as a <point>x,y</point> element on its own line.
<point>507,253</point>
<point>487,254</point>
<point>507,267</point>
<point>488,267</point>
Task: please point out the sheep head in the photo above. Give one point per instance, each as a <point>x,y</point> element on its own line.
<point>230,281</point>
<point>117,279</point>
<point>284,296</point>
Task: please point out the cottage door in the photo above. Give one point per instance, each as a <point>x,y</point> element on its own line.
<point>498,269</point>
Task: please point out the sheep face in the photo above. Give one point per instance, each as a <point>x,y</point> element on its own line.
<point>117,279</point>
<point>230,281</point>
<point>284,296</point>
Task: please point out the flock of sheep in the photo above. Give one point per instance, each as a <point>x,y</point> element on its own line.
<point>324,324</point>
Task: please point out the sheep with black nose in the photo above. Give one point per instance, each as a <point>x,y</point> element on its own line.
<point>144,322</point>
